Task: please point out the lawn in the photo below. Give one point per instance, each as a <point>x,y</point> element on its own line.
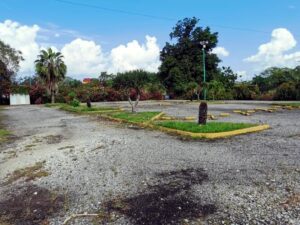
<point>81,108</point>
<point>139,117</point>
<point>211,127</point>
<point>3,132</point>
<point>293,104</point>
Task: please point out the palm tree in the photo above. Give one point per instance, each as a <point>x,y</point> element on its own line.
<point>51,68</point>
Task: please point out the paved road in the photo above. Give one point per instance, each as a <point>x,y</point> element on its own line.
<point>147,177</point>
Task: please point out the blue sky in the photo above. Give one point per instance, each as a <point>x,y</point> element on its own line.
<point>243,25</point>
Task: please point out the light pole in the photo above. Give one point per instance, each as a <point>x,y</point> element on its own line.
<point>204,44</point>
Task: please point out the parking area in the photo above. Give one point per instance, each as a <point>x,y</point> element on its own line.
<point>139,176</point>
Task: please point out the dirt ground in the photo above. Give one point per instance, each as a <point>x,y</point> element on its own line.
<point>58,164</point>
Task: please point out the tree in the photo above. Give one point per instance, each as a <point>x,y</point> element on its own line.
<point>245,91</point>
<point>286,91</point>
<point>216,90</point>
<point>9,66</point>
<point>51,69</point>
<point>134,80</point>
<point>182,59</point>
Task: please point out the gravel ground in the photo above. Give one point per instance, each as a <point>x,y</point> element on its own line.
<point>137,176</point>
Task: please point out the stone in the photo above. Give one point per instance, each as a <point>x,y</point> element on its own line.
<point>202,113</point>
<point>88,103</point>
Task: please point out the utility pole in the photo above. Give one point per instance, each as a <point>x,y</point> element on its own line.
<point>204,44</point>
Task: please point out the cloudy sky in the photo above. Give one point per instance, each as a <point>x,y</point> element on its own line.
<point>118,35</point>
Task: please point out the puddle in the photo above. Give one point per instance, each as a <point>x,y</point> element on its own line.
<point>30,205</point>
<point>168,201</point>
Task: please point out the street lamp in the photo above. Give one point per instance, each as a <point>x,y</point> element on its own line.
<point>204,44</point>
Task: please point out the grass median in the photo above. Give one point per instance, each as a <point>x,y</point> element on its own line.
<point>211,127</point>
<point>140,117</point>
<point>82,108</point>
<point>292,104</point>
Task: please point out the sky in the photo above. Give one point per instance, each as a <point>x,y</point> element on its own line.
<point>120,35</point>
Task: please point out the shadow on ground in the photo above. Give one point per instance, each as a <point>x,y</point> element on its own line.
<point>168,201</point>
<point>30,205</point>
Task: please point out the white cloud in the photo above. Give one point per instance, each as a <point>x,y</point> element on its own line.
<point>23,38</point>
<point>274,53</point>
<point>135,56</point>
<point>242,75</point>
<point>84,58</point>
<point>220,51</point>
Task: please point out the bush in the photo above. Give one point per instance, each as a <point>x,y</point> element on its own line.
<point>75,102</point>
<point>38,94</point>
<point>286,91</point>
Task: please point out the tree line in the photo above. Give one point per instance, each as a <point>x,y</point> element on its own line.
<point>180,75</point>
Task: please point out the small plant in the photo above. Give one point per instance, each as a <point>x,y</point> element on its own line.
<point>75,102</point>
<point>72,95</point>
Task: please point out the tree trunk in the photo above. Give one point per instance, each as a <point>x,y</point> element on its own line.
<point>52,97</point>
<point>134,105</point>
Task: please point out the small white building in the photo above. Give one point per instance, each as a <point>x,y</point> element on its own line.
<point>19,99</point>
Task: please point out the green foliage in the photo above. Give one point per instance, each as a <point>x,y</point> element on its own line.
<point>51,69</point>
<point>81,108</point>
<point>182,59</point>
<point>136,79</point>
<point>245,91</point>
<point>9,66</point>
<point>20,89</point>
<point>279,83</point>
<point>286,91</point>
<point>70,82</point>
<point>72,95</point>
<point>216,90</point>
<point>75,102</point>
<point>139,117</point>
<point>10,59</point>
<point>212,127</point>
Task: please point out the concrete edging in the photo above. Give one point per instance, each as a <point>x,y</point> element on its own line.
<point>191,134</point>
<point>213,135</point>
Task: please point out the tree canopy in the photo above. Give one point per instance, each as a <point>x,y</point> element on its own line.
<point>182,58</point>
<point>134,80</point>
<point>10,59</point>
<point>51,69</point>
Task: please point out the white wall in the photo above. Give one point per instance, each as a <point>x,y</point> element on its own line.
<point>18,99</point>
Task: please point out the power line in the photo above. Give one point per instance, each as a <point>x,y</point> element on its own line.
<point>115,10</point>
<point>155,17</point>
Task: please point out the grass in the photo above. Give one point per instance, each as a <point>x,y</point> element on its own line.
<point>29,173</point>
<point>81,108</point>
<point>293,104</point>
<point>3,133</point>
<point>139,117</point>
<point>212,127</point>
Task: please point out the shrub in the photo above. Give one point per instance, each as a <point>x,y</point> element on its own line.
<point>286,91</point>
<point>75,102</point>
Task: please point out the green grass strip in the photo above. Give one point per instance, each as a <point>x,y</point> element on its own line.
<point>293,104</point>
<point>139,117</point>
<point>211,127</point>
<point>3,134</point>
<point>81,108</point>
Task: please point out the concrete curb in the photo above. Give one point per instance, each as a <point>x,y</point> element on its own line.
<point>157,116</point>
<point>191,134</point>
<point>213,135</point>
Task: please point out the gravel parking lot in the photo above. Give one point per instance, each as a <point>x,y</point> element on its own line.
<point>137,176</point>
